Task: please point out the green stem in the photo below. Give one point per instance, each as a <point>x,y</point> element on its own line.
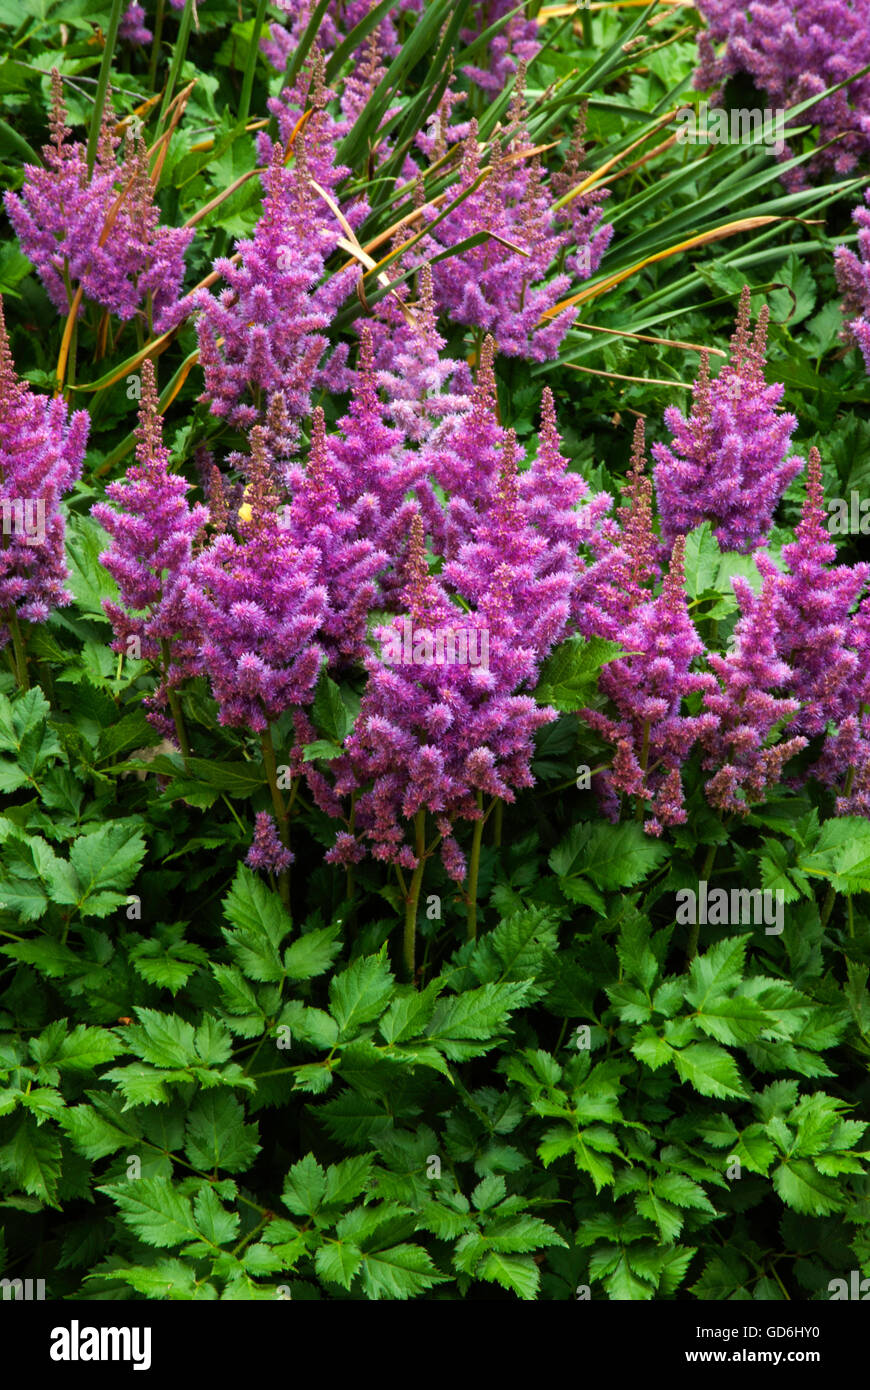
<point>155,47</point>
<point>831,895</point>
<point>694,930</point>
<point>644,759</point>
<point>103,84</point>
<point>19,648</point>
<point>413,897</point>
<point>473,871</point>
<point>175,706</point>
<point>280,809</point>
<point>250,66</point>
<point>178,56</point>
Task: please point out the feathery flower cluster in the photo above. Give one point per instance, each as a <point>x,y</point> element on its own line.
<point>590,237</point>
<point>793,50</point>
<point>41,455</point>
<point>268,316</point>
<point>517,42</point>
<point>746,707</point>
<point>267,852</point>
<point>133,28</point>
<point>152,531</point>
<point>815,600</point>
<point>259,610</point>
<point>100,231</point>
<point>502,286</point>
<point>853,279</point>
<point>728,465</point>
<point>348,562</point>
<point>652,737</point>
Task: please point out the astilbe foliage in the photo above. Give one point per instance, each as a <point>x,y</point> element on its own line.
<point>853,279</point>
<point>100,230</point>
<point>728,463</point>
<point>259,609</point>
<point>41,455</point>
<point>652,736</point>
<point>793,50</point>
<point>153,528</point>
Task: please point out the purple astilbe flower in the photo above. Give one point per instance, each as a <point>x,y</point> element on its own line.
<point>541,582</point>
<point>492,287</point>
<point>517,42</point>
<point>340,18</point>
<point>815,602</point>
<point>152,531</point>
<point>267,852</point>
<point>259,609</point>
<point>421,386</point>
<point>133,28</point>
<point>348,562</point>
<point>41,454</point>
<point>433,735</point>
<point>268,316</point>
<point>625,554</point>
<point>728,462</point>
<point>372,470</point>
<point>560,505</point>
<point>853,279</point>
<point>590,237</point>
<point>794,49</point>
<point>652,737</point>
<point>100,231</point>
<point>745,704</point>
<point>464,456</point>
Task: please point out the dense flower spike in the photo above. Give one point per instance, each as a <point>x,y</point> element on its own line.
<point>590,237</point>
<point>268,316</point>
<point>502,286</point>
<point>518,41</point>
<point>267,852</point>
<point>41,454</point>
<point>439,721</point>
<point>746,707</point>
<point>652,736</point>
<point>100,231</point>
<point>260,610</point>
<point>815,602</point>
<point>793,50</point>
<point>133,28</point>
<point>853,278</point>
<point>349,562</point>
<point>728,462</point>
<point>152,533</point>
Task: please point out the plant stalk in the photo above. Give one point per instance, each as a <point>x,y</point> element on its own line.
<point>409,952</point>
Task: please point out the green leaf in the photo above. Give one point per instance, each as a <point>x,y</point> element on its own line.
<point>401,1272</point>
<point>711,1070</point>
<point>32,1157</point>
<point>569,676</point>
<point>313,953</point>
<point>613,856</point>
<point>217,1136</point>
<point>360,993</point>
<point>106,858</point>
<point>154,1210</point>
<point>260,923</point>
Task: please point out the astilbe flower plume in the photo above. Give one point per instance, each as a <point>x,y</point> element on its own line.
<point>815,601</point>
<point>518,41</point>
<point>853,279</point>
<point>742,746</point>
<point>625,553</point>
<point>267,852</point>
<point>41,455</point>
<point>652,737</point>
<point>590,237</point>
<point>152,531</point>
<point>728,462</point>
<point>434,735</point>
<point>492,287</point>
<point>793,50</point>
<point>132,28</point>
<point>269,316</point>
<point>100,231</point>
<point>349,563</point>
<point>259,609</point>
